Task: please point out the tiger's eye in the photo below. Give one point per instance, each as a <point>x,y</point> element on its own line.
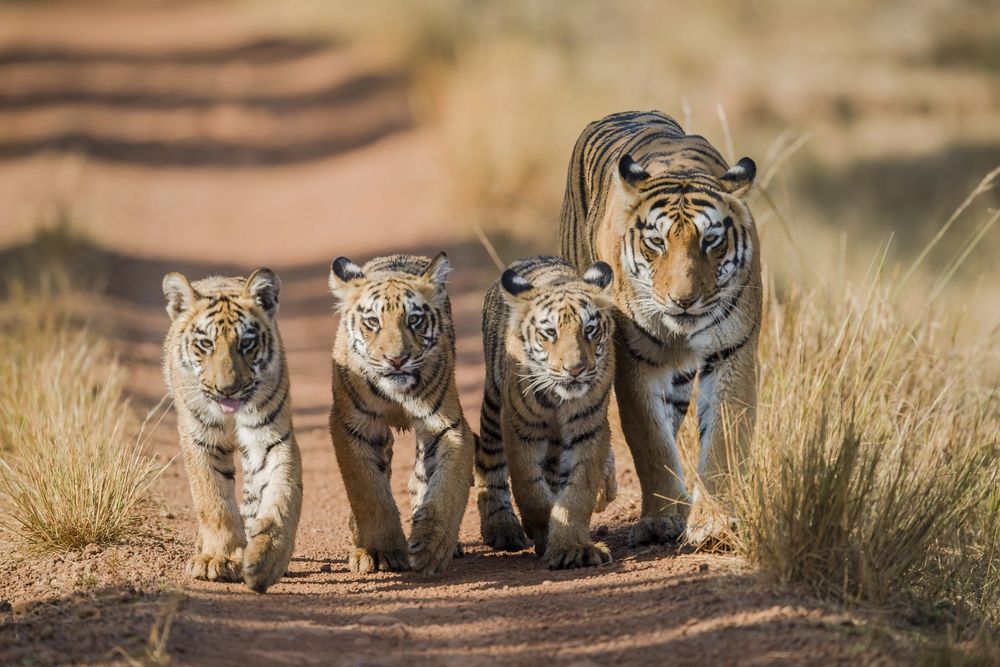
<point>415,320</point>
<point>371,322</point>
<point>204,344</point>
<point>247,343</point>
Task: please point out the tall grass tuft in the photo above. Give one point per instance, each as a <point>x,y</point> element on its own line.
<point>71,472</point>
<point>873,468</point>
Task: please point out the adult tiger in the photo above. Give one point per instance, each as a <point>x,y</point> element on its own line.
<point>664,209</point>
<point>224,365</point>
<point>394,367</point>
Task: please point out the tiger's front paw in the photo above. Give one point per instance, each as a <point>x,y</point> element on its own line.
<point>215,567</point>
<point>366,560</point>
<point>430,547</point>
<point>710,531</point>
<point>265,560</point>
<point>569,556</point>
<point>656,530</point>
<point>502,531</point>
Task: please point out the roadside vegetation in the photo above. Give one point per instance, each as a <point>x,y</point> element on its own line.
<point>73,470</point>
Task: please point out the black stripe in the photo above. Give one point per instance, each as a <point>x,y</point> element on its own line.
<point>272,445</point>
<point>683,378</point>
<point>431,447</point>
<point>352,394</point>
<point>712,362</point>
<point>727,310</point>
<point>570,444</point>
<point>592,409</point>
<point>488,430</point>
<point>273,414</point>
<point>228,474</point>
<point>678,404</point>
<point>490,403</point>
<point>357,435</point>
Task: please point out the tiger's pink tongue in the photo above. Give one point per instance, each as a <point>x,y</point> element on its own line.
<point>229,405</point>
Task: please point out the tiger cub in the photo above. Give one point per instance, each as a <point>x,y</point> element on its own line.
<point>224,366</point>
<point>670,215</point>
<point>394,367</point>
<point>549,370</point>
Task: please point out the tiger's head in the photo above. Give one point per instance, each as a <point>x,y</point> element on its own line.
<point>394,319</point>
<point>689,241</point>
<point>225,338</point>
<point>560,333</point>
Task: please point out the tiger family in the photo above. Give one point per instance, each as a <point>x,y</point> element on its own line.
<point>658,285</point>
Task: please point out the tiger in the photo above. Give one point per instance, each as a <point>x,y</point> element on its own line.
<point>547,335</point>
<point>394,367</point>
<point>224,366</point>
<point>668,213</point>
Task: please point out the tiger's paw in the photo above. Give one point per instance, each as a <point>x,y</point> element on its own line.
<point>710,531</point>
<point>503,532</point>
<point>430,547</point>
<point>368,560</point>
<point>265,561</point>
<point>569,556</point>
<point>656,530</point>
<point>215,567</point>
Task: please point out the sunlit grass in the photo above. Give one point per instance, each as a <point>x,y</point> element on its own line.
<point>71,470</point>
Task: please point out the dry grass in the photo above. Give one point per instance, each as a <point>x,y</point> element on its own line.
<point>872,475</point>
<point>73,472</point>
<point>872,466</point>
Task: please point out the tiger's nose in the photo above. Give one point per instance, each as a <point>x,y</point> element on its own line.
<point>576,369</point>
<point>684,302</point>
<point>397,362</point>
<point>229,389</point>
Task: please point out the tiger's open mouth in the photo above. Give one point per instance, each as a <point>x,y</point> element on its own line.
<point>229,405</point>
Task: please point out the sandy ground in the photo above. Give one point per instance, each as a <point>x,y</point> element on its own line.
<point>202,143</point>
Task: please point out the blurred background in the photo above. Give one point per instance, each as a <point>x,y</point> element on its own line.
<point>285,133</point>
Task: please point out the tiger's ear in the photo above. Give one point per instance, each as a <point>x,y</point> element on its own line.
<point>179,294</point>
<point>263,286</point>
<point>439,268</point>
<point>345,275</point>
<point>515,287</point>
<point>630,172</point>
<point>599,274</point>
<point>436,274</point>
<point>739,178</point>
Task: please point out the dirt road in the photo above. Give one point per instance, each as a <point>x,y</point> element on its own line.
<point>200,142</point>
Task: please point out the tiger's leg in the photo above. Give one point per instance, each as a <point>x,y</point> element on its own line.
<point>527,452</point>
<point>608,490</point>
<point>498,523</point>
<point>272,496</point>
<point>649,419</point>
<point>361,443</point>
<point>581,477</point>
<point>439,488</point>
<point>208,460</point>
<point>727,404</point>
